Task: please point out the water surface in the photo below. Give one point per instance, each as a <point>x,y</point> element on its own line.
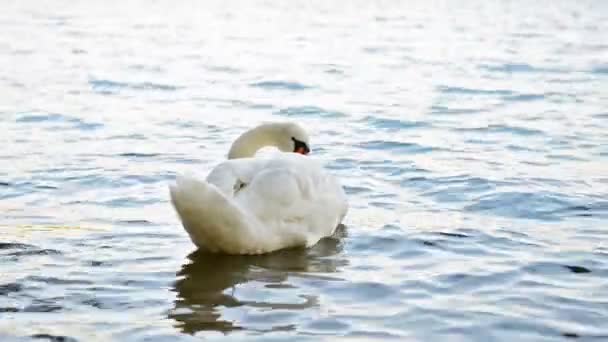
<point>472,140</point>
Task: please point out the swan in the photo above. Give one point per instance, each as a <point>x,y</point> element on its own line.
<point>257,205</point>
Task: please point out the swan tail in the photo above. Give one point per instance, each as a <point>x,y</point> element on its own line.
<point>212,221</point>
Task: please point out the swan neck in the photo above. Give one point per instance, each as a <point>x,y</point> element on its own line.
<point>252,141</point>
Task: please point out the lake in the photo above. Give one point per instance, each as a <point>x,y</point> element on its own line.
<point>471,138</point>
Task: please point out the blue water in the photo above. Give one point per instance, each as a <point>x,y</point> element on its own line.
<point>471,138</point>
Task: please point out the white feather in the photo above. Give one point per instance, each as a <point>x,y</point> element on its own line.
<point>259,205</point>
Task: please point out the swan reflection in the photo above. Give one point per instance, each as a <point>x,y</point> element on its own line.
<point>209,284</point>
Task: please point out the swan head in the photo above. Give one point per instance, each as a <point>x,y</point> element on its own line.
<point>291,137</point>
<point>286,136</point>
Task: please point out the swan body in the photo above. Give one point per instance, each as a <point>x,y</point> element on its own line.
<point>253,205</point>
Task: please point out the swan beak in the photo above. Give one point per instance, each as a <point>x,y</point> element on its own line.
<point>300,146</point>
<point>302,150</point>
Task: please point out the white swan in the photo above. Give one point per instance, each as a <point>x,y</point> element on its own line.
<point>251,205</point>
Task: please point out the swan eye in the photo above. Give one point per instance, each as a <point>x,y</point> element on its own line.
<point>300,146</point>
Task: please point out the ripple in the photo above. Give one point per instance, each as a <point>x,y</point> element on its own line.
<point>9,288</point>
<point>145,67</point>
<point>509,129</point>
<point>551,268</point>
<point>519,68</point>
<point>600,70</point>
<point>15,245</point>
<point>25,250</point>
<point>472,91</point>
<point>108,87</point>
<point>541,205</point>
<point>124,202</point>
<point>223,69</point>
<point>327,325</point>
<point>134,136</point>
<point>58,281</point>
<point>525,97</point>
<point>393,124</point>
<point>53,338</point>
<point>396,147</point>
<point>438,109</point>
<point>50,118</point>
<point>356,190</point>
<point>454,235</point>
<point>309,111</point>
<point>477,282</point>
<point>45,118</point>
<point>577,269</point>
<point>280,85</point>
<point>42,308</point>
<point>35,252</point>
<point>365,291</point>
<point>139,155</point>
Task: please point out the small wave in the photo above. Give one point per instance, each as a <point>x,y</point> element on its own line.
<point>10,288</point>
<point>438,109</point>
<point>524,97</point>
<point>454,235</point>
<point>509,129</point>
<point>601,115</point>
<point>223,69</point>
<point>375,49</point>
<point>142,179</point>
<point>57,118</point>
<point>392,124</point>
<point>286,85</point>
<point>364,291</point>
<point>552,268</point>
<point>54,338</point>
<point>388,170</point>
<point>139,155</point>
<point>34,252</point>
<point>144,67</point>
<point>395,146</point>
<point>556,156</point>
<point>45,117</point>
<point>132,136</point>
<point>141,222</point>
<point>477,282</point>
<point>342,163</point>
<point>529,205</point>
<point>327,325</point>
<point>58,281</point>
<point>600,70</point>
<point>15,245</point>
<point>104,86</point>
<point>310,111</point>
<point>126,202</point>
<point>356,189</point>
<point>16,250</point>
<point>518,68</point>
<point>471,91</point>
<point>334,71</point>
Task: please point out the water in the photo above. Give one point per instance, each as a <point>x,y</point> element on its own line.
<point>472,139</point>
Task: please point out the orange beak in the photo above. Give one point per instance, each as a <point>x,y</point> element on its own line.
<point>302,150</point>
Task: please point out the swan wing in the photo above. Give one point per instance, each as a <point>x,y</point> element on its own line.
<point>294,197</point>
<point>253,205</point>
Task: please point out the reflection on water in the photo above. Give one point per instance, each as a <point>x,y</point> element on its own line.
<point>208,283</point>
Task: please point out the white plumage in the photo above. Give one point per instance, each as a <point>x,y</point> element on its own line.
<point>250,205</point>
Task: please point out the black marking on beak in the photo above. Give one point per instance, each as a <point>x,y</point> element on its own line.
<point>300,146</point>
